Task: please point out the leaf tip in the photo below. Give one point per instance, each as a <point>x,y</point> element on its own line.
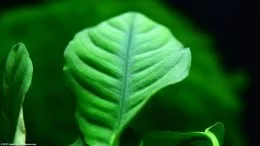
<point>18,46</point>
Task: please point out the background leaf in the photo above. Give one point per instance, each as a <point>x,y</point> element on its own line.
<point>16,82</point>
<point>115,67</point>
<point>167,138</point>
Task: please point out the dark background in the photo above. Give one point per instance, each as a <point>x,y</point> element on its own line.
<point>232,23</point>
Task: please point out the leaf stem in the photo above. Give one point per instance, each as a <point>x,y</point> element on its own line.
<point>20,133</point>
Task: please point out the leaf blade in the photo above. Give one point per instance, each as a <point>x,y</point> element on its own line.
<point>106,70</point>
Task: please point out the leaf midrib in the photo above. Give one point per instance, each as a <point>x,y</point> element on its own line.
<point>127,74</point>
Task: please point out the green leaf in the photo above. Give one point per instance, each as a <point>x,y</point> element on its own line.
<point>115,67</point>
<point>213,136</point>
<point>16,82</point>
<point>218,130</point>
<point>78,142</point>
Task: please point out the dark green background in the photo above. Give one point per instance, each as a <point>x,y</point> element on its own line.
<point>210,94</point>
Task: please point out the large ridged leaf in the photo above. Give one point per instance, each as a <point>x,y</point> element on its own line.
<point>115,67</point>
<point>16,82</point>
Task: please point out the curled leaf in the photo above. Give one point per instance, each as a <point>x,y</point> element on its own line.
<point>213,136</point>
<point>16,82</point>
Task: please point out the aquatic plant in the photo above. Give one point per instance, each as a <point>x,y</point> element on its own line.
<point>112,70</point>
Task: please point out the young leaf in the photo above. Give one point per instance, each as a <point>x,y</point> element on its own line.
<point>213,136</point>
<point>16,82</point>
<point>115,67</point>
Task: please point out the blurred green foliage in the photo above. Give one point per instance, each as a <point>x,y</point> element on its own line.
<point>208,95</point>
